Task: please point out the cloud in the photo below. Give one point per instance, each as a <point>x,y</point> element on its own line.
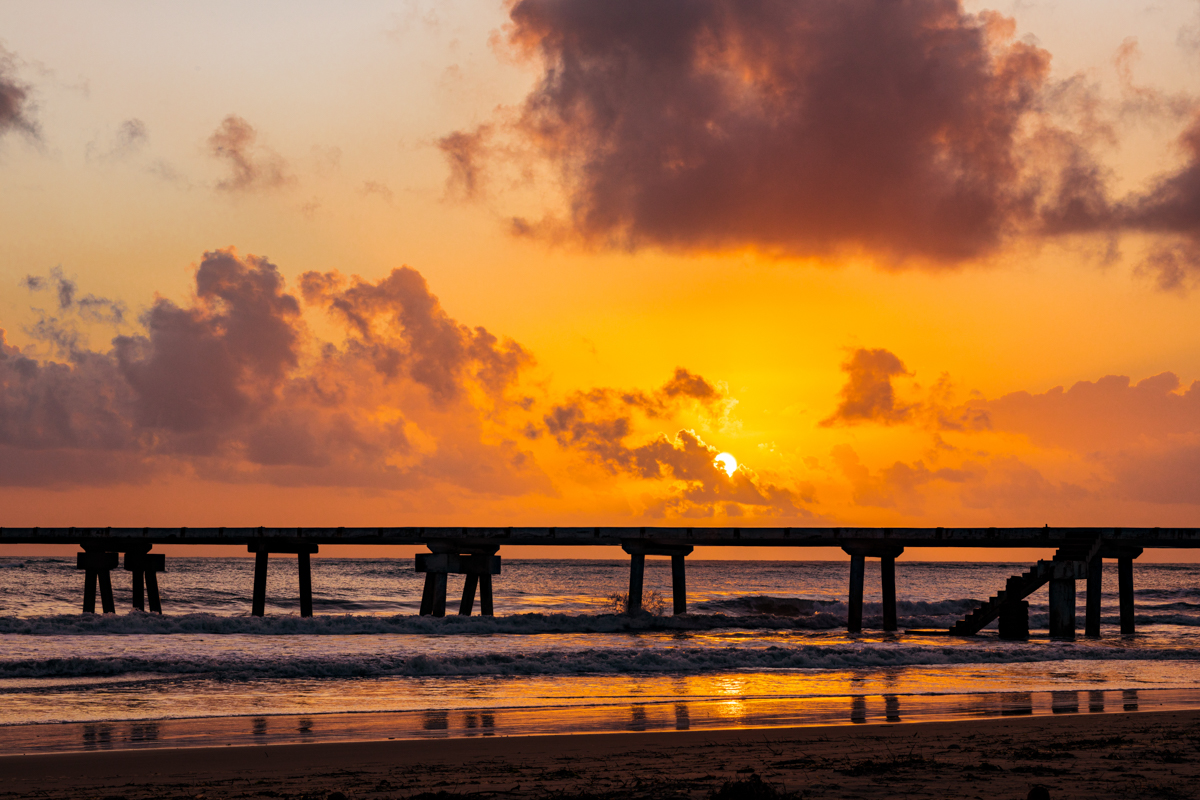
<point>896,485</point>
<point>600,425</point>
<point>1111,438</point>
<point>252,167</point>
<point>465,152</point>
<point>398,326</point>
<point>1171,209</point>
<point>90,307</point>
<point>16,108</point>
<point>130,138</point>
<point>868,395</point>
<point>903,129</point>
<point>381,190</point>
<point>1093,416</point>
<point>234,387</point>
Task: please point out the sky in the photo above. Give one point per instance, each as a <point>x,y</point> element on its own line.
<point>539,262</point>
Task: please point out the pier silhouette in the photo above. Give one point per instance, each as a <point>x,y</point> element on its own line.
<point>474,553</point>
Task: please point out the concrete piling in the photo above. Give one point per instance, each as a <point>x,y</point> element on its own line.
<point>887,555</point>
<point>1062,608</point>
<point>1014,621</point>
<point>678,585</point>
<point>1125,590</point>
<point>262,551</point>
<point>858,570</point>
<point>887,573</point>
<point>477,562</point>
<point>637,572</point>
<point>97,563</point>
<point>144,567</point>
<point>1095,590</point>
<point>637,577</point>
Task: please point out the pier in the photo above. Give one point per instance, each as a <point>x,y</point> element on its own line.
<point>474,553</point>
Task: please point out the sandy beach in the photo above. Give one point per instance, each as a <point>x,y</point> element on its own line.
<point>1118,755</point>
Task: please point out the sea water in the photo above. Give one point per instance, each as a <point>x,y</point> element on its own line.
<point>763,643</point>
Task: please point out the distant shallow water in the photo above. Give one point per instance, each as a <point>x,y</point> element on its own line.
<point>769,637</point>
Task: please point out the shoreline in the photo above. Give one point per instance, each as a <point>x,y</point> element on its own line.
<point>648,716</point>
<point>1114,755</point>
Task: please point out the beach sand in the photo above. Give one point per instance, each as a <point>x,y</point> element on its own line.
<point>1118,755</point>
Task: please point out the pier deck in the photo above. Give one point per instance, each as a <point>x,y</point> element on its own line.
<point>696,536</point>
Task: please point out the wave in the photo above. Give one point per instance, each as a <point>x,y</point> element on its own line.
<point>622,661</point>
<point>343,625</point>
<point>799,607</point>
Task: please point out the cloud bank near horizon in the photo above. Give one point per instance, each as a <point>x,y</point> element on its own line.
<point>235,387</point>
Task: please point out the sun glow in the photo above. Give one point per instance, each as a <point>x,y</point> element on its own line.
<point>726,462</point>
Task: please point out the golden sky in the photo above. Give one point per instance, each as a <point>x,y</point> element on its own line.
<point>538,262</point>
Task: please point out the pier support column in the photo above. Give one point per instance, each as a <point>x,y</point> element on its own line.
<point>1062,608</point>
<point>262,551</point>
<point>144,567</point>
<point>97,563</point>
<point>1095,589</point>
<point>887,574</point>
<point>1125,589</point>
<point>477,562</point>
<point>258,606</point>
<point>468,597</point>
<point>858,574</point>
<point>678,585</point>
<point>887,555</point>
<point>1124,555</point>
<point>1014,621</point>
<point>638,550</point>
<point>637,577</point>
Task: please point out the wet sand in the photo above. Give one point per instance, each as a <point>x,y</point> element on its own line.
<point>1116,755</point>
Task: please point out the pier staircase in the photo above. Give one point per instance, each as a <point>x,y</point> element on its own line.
<point>1071,561</point>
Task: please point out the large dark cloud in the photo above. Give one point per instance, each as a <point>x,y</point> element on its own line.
<point>906,130</point>
<point>234,387</point>
<point>902,127</point>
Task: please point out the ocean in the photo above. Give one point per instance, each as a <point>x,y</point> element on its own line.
<point>763,644</point>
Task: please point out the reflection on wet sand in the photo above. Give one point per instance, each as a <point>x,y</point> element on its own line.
<point>637,720</point>
<point>484,721</point>
<point>143,732</point>
<point>891,708</point>
<point>97,737</point>
<point>858,709</point>
<point>1016,704</point>
<point>682,720</point>
<point>1064,702</point>
<point>666,713</point>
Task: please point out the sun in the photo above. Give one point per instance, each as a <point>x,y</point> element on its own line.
<point>726,462</point>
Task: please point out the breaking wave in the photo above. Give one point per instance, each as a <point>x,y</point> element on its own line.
<point>620,661</point>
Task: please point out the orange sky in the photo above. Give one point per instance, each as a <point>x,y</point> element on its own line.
<point>538,262</point>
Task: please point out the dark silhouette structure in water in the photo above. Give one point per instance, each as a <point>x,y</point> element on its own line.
<point>473,552</point>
